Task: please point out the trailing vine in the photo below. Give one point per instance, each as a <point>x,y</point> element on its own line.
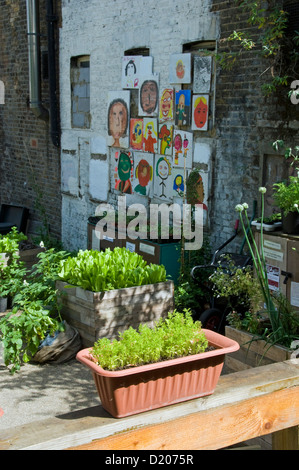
<point>265,32</point>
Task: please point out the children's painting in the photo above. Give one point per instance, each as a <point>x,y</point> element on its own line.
<point>149,96</point>
<point>182,107</point>
<point>166,106</point>
<point>122,165</point>
<point>133,67</point>
<point>150,135</point>
<point>197,188</point>
<point>202,74</point>
<point>178,179</point>
<point>118,118</point>
<point>162,177</point>
<point>180,68</point>
<point>143,173</point>
<point>182,149</point>
<point>200,112</point>
<point>136,134</point>
<point>165,138</point>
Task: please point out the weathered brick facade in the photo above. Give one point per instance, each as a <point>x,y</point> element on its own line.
<point>29,162</point>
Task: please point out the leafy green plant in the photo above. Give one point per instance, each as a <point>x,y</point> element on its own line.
<point>12,270</point>
<point>268,37</point>
<point>286,195</point>
<point>99,271</point>
<point>283,325</point>
<point>22,332</point>
<point>177,335</point>
<point>36,310</point>
<point>237,285</point>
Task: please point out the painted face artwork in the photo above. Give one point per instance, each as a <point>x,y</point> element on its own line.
<point>117,120</point>
<point>144,174</point>
<point>136,134</point>
<point>149,96</point>
<point>200,112</point>
<point>166,105</point>
<point>180,69</point>
<point>124,173</point>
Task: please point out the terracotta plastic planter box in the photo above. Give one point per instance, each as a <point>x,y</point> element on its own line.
<point>144,388</point>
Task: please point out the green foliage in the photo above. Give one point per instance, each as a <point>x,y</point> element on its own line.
<point>35,312</point>
<point>22,332</point>
<point>99,271</point>
<point>283,324</point>
<point>188,293</point>
<point>177,335</point>
<point>269,39</point>
<point>286,195</point>
<point>238,286</point>
<point>12,271</point>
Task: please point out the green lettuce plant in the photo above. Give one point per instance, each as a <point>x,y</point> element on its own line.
<point>99,271</point>
<point>176,336</point>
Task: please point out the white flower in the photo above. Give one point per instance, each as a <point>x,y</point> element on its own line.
<point>262,189</point>
<point>42,244</point>
<point>296,206</point>
<point>245,205</point>
<point>239,208</point>
<point>25,283</point>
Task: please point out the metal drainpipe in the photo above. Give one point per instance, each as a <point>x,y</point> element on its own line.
<point>34,60</point>
<point>55,128</point>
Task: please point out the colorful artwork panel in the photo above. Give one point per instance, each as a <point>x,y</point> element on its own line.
<point>166,106</point>
<point>118,118</point>
<point>178,181</point>
<point>136,134</point>
<point>197,188</point>
<point>162,177</point>
<point>182,149</point>
<point>150,135</point>
<point>143,173</point>
<point>180,68</point>
<point>202,74</point>
<point>149,96</point>
<point>182,107</point>
<point>122,167</point>
<point>165,138</point>
<point>200,112</point>
<point>134,67</point>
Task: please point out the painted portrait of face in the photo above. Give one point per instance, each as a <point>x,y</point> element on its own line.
<point>117,120</point>
<point>124,167</point>
<point>149,96</point>
<point>180,69</point>
<point>200,112</point>
<point>163,169</point>
<point>166,104</point>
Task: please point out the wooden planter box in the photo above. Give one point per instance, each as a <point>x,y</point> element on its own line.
<point>253,354</point>
<point>167,253</point>
<point>103,314</point>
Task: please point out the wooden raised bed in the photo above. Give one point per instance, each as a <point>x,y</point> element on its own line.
<point>253,353</point>
<point>103,314</point>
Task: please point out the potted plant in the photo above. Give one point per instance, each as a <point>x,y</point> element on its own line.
<point>275,323</point>
<point>286,196</point>
<point>108,290</point>
<point>286,193</point>
<point>150,368</point>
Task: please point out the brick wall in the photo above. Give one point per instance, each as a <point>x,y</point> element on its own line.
<point>29,162</point>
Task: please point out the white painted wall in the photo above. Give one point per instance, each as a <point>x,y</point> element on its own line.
<point>104,29</point>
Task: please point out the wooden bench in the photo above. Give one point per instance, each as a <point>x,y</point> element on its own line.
<point>245,405</point>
